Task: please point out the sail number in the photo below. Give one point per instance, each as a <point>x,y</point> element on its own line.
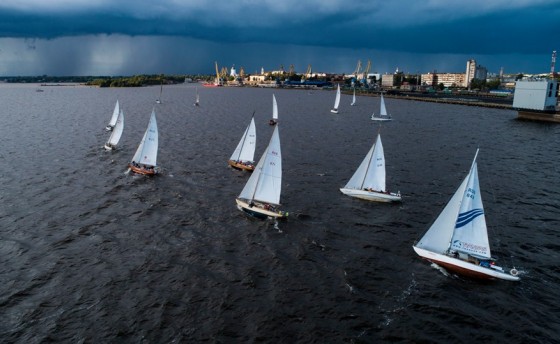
<point>470,193</point>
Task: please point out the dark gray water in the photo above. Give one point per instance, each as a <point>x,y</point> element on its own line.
<point>91,254</point>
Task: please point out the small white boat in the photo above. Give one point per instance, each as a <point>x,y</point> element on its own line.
<point>113,119</point>
<point>158,101</point>
<point>116,134</point>
<point>458,238</point>
<point>368,182</point>
<point>336,100</point>
<point>274,119</point>
<point>197,101</point>
<point>243,155</point>
<point>261,195</point>
<point>145,158</point>
<point>383,115</point>
<point>353,98</point>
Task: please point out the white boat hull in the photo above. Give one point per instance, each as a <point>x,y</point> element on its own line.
<point>334,111</point>
<point>257,210</point>
<point>380,119</point>
<point>372,195</point>
<point>109,147</point>
<point>463,267</point>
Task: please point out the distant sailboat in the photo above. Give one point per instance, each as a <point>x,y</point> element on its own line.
<point>158,101</point>
<point>197,102</point>
<point>274,119</point>
<point>243,155</point>
<point>383,115</point>
<point>113,119</point>
<point>368,182</point>
<point>261,195</point>
<point>458,238</point>
<point>116,133</point>
<point>336,100</point>
<point>353,98</point>
<point>145,158</point>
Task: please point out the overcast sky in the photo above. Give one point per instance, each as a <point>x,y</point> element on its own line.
<point>125,37</point>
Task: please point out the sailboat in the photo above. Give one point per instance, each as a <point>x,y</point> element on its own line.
<point>197,102</point>
<point>158,101</point>
<point>113,119</point>
<point>458,238</point>
<point>353,98</point>
<point>116,133</point>
<point>144,160</point>
<point>261,195</point>
<point>336,100</point>
<point>243,155</point>
<point>368,182</point>
<point>383,115</point>
<point>274,119</point>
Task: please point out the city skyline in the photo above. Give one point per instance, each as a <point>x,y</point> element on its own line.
<point>100,37</point>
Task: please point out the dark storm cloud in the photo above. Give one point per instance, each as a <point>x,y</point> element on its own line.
<point>183,36</point>
<point>420,26</point>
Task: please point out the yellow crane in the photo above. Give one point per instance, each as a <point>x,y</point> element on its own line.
<point>358,68</point>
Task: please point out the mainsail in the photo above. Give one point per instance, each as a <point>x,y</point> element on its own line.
<point>118,130</point>
<point>245,150</point>
<point>147,150</point>
<point>116,112</point>
<point>383,109</point>
<point>337,99</point>
<point>471,234</point>
<point>274,108</point>
<point>265,183</point>
<point>371,172</point>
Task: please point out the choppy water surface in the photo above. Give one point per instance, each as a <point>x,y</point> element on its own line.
<point>91,254</point>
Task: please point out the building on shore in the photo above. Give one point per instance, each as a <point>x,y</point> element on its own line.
<point>474,71</point>
<point>537,100</point>
<point>447,79</point>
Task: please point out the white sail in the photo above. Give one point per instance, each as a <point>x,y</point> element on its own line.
<point>147,150</point>
<point>383,115</point>
<point>439,235</point>
<point>371,172</point>
<point>116,111</point>
<point>471,234</point>
<point>383,109</point>
<point>274,108</point>
<point>245,150</point>
<point>337,99</point>
<point>117,131</point>
<point>197,96</point>
<point>265,183</point>
<point>354,98</point>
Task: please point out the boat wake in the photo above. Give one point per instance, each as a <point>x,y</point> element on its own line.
<point>441,269</point>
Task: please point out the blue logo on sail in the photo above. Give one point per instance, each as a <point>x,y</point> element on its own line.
<point>466,217</point>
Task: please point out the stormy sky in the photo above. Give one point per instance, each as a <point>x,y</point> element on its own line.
<point>125,37</point>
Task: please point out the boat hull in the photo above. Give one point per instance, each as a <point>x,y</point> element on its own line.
<point>109,147</point>
<point>241,166</point>
<point>334,111</point>
<point>141,170</point>
<point>463,267</point>
<point>257,211</point>
<point>380,119</point>
<point>372,195</point>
